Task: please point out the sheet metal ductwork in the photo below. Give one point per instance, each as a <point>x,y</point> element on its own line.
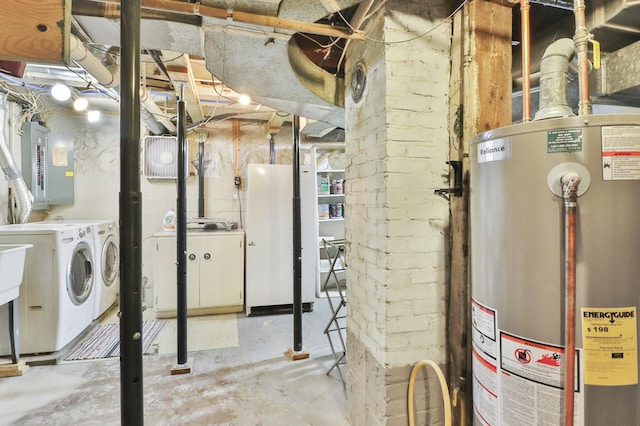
<point>260,61</point>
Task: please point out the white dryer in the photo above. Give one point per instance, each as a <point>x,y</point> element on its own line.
<point>107,260</point>
<point>57,297</point>
<point>108,254</point>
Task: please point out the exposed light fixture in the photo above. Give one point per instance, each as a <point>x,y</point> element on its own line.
<point>244,100</point>
<point>60,92</point>
<point>80,104</point>
<point>93,116</point>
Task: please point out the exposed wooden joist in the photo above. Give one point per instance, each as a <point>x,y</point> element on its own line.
<point>35,30</point>
<point>233,16</point>
<point>181,73</point>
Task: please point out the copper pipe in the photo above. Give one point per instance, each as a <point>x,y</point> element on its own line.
<point>526,60</point>
<point>570,183</point>
<point>581,40</point>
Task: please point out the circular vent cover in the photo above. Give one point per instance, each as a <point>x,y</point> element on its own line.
<point>358,82</point>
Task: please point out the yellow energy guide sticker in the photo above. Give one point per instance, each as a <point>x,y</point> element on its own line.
<point>610,343</point>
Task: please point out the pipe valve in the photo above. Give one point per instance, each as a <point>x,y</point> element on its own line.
<point>570,182</point>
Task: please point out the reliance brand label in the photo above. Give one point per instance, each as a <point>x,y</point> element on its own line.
<point>494,150</point>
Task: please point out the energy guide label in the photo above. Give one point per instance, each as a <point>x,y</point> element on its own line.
<point>621,152</point>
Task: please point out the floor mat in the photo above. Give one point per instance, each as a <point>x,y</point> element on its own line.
<point>203,333</point>
<point>104,342</point>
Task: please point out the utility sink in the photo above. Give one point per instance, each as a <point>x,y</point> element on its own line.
<point>11,270</point>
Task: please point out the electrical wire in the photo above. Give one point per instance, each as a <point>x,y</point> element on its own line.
<point>445,20</point>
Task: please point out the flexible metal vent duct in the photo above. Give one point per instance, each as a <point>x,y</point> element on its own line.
<point>24,199</point>
<point>553,80</point>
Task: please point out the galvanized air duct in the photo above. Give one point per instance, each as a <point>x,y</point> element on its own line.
<point>553,80</point>
<point>24,199</point>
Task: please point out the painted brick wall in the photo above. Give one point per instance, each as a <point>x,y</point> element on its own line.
<point>397,229</point>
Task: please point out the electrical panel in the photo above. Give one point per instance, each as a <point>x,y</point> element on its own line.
<point>47,165</point>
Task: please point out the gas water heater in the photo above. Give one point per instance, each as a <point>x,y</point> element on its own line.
<point>518,264</point>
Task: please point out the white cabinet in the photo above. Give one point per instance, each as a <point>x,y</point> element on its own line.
<point>215,272</point>
<point>330,195</point>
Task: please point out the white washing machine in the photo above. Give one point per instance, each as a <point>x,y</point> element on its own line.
<point>57,297</point>
<point>107,260</point>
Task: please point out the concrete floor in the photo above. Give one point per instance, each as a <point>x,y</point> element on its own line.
<point>251,384</point>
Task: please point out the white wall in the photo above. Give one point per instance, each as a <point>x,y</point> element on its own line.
<point>97,178</point>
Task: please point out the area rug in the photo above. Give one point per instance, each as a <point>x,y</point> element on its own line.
<point>104,342</point>
<point>203,333</point>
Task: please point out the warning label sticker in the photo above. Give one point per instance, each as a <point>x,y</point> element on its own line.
<point>610,340</point>
<point>620,152</point>
<point>531,383</point>
<point>485,388</point>
<point>532,360</point>
<point>483,332</point>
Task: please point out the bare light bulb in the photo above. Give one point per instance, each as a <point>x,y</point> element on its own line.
<point>60,92</point>
<point>80,104</point>
<point>93,116</point>
<point>244,100</point>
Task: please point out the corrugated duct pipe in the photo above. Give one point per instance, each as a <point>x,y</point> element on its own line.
<point>553,80</point>
<point>154,118</point>
<point>23,197</point>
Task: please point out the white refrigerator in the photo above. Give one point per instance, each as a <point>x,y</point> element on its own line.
<point>269,236</point>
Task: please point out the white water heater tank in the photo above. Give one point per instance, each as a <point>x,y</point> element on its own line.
<point>518,264</point>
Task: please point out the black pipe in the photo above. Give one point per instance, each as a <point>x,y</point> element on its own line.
<point>297,240</point>
<point>272,150</point>
<point>131,374</point>
<point>181,231</point>
<point>201,177</point>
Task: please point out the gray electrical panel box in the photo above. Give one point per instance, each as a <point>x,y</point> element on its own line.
<point>47,165</point>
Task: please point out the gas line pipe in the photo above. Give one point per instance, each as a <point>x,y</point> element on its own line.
<point>570,182</point>
<point>443,387</point>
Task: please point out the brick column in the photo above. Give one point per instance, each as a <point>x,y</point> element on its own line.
<point>397,230</point>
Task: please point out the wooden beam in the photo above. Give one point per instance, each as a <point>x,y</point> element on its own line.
<point>233,16</point>
<point>11,370</point>
<point>35,30</point>
<point>181,73</point>
<point>480,93</point>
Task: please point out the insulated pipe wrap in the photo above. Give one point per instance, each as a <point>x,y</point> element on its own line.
<point>553,80</point>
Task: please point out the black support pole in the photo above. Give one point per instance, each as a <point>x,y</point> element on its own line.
<point>201,176</point>
<point>131,396</point>
<point>181,230</point>
<point>297,240</point>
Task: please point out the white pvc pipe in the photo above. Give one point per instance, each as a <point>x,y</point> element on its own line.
<point>108,77</point>
<point>155,110</point>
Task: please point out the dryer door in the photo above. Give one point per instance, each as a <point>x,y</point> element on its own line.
<point>80,274</point>
<point>110,260</point>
